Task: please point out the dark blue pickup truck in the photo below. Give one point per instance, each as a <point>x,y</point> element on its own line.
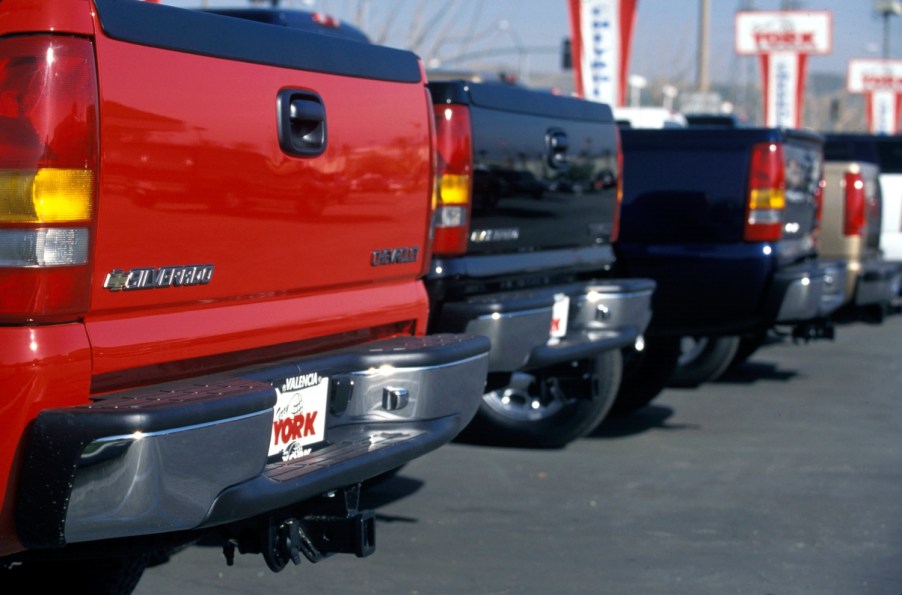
<point>725,221</point>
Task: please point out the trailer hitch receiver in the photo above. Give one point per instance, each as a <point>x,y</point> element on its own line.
<point>319,528</point>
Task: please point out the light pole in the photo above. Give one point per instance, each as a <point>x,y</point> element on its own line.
<point>704,26</point>
<point>887,8</point>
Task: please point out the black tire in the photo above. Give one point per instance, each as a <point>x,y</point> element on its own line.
<point>703,359</point>
<point>748,345</point>
<point>875,313</point>
<point>550,407</point>
<point>77,576</point>
<point>646,373</point>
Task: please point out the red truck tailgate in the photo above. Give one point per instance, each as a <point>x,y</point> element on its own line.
<point>200,206</point>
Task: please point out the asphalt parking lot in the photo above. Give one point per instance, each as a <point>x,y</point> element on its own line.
<point>783,477</point>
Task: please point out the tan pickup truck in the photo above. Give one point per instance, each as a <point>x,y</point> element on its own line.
<point>850,229</point>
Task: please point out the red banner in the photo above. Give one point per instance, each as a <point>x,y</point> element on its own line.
<point>601,36</point>
<point>784,75</point>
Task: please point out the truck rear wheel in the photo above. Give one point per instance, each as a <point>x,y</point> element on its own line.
<point>747,347</point>
<point>703,359</point>
<point>646,373</point>
<point>550,407</point>
<point>76,576</point>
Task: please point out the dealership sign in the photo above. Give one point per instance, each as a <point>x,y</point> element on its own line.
<point>783,41</point>
<point>601,32</point>
<point>881,83</point>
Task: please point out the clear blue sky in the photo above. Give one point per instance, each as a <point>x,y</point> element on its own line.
<point>513,30</point>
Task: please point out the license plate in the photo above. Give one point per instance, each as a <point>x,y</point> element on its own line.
<point>559,314</point>
<point>299,417</point>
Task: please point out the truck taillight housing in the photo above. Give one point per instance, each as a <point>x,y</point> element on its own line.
<point>766,194</point>
<point>48,165</point>
<point>854,212</point>
<point>454,180</point>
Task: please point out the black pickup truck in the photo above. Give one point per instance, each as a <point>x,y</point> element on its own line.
<point>725,220</point>
<point>529,187</point>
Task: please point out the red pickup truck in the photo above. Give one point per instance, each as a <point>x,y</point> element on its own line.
<point>209,323</point>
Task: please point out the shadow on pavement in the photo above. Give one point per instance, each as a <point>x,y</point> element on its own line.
<point>651,417</point>
<point>391,489</point>
<point>751,372</point>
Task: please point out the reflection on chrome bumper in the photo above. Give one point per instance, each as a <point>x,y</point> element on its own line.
<point>602,315</point>
<point>834,296</point>
<point>194,453</point>
<point>809,291</point>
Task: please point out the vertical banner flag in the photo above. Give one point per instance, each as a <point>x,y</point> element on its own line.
<point>881,83</point>
<point>783,40</point>
<point>601,33</point>
<point>784,88</point>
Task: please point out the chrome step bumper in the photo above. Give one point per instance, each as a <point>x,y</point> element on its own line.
<point>197,453</point>
<point>600,316</point>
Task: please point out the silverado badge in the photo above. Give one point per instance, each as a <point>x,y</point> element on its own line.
<point>151,278</point>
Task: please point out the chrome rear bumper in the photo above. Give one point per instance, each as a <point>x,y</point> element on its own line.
<point>196,453</point>
<point>601,315</point>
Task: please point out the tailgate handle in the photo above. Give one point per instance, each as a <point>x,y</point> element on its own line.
<point>302,123</point>
<point>556,145</point>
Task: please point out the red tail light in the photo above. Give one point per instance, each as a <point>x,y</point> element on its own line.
<point>766,194</point>
<point>615,228</point>
<point>855,215</point>
<point>48,163</point>
<point>454,179</point>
